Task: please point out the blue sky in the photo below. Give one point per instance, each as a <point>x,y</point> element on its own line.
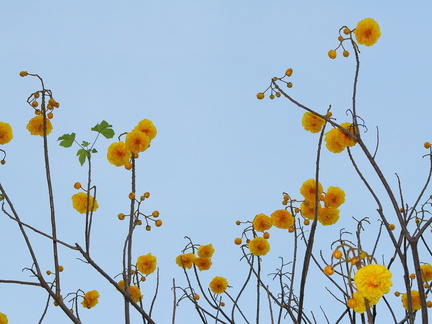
<point>193,68</point>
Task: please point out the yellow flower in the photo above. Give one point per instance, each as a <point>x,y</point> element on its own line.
<point>146,264</point>
<point>118,154</point>
<point>5,133</point>
<point>90,299</point>
<point>35,126</point>
<point>308,189</point>
<point>218,285</point>
<point>334,197</point>
<point>137,141</point>
<point>146,126</point>
<point>185,260</point>
<point>79,202</point>
<point>203,263</point>
<point>134,291</point>
<point>307,208</point>
<point>262,223</point>
<point>367,32</point>
<point>312,122</point>
<point>328,216</point>
<point>337,140</point>
<point>259,246</point>
<point>282,218</point>
<point>206,251</point>
<point>373,281</point>
<point>357,303</point>
<point>415,297</point>
<point>3,319</point>
<point>426,270</point>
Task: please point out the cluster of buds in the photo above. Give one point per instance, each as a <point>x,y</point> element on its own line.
<point>153,217</point>
<point>273,90</point>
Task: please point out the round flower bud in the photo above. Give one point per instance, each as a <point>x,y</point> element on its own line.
<point>347,31</point>
<point>337,254</point>
<point>60,268</point>
<point>345,53</point>
<point>260,95</point>
<point>158,223</point>
<point>340,38</point>
<point>266,235</point>
<point>392,227</point>
<point>132,195</point>
<point>147,194</point>
<point>289,84</point>
<point>332,54</point>
<point>23,73</point>
<point>35,104</point>
<point>289,72</point>
<point>238,241</point>
<point>121,216</point>
<point>3,162</point>
<point>155,213</point>
<point>426,145</point>
<point>272,96</point>
<point>328,270</point>
<point>278,94</point>
<point>77,185</point>
<point>50,115</point>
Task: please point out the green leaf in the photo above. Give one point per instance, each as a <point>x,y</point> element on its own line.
<point>82,155</point>
<point>94,150</point>
<point>67,140</point>
<point>85,144</point>
<point>105,129</point>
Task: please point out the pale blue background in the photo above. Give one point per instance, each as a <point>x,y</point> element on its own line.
<point>194,68</point>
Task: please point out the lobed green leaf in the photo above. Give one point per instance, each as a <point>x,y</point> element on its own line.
<point>67,140</point>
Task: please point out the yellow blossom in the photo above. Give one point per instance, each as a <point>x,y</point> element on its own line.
<point>426,270</point>
<point>282,218</point>
<point>134,291</point>
<point>79,202</point>
<point>137,141</point>
<point>5,133</point>
<point>118,154</point>
<point>206,251</point>
<point>415,298</point>
<point>218,285</point>
<point>336,140</point>
<point>35,126</point>
<point>307,208</point>
<point>308,189</point>
<point>262,222</point>
<point>334,197</point>
<point>367,32</point>
<point>312,122</point>
<point>146,264</point>
<point>185,260</point>
<point>90,299</point>
<point>146,126</point>
<point>328,216</point>
<point>3,319</point>
<point>357,302</point>
<point>373,281</point>
<point>203,263</point>
<point>259,246</point>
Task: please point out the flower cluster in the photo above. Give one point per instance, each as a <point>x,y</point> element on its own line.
<point>337,140</point>
<point>202,260</point>
<point>138,140</point>
<point>91,298</point>
<point>333,198</point>
<point>366,33</point>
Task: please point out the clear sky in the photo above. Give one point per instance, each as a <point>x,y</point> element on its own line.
<point>194,68</point>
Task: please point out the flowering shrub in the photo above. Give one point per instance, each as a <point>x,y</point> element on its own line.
<point>360,283</point>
